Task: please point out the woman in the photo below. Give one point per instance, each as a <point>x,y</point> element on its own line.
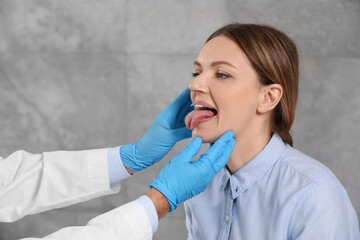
<point>246,81</point>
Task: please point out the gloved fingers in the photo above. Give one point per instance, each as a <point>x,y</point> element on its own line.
<point>181,133</point>
<point>186,108</point>
<point>221,161</point>
<point>190,150</point>
<point>182,98</point>
<point>220,151</point>
<point>178,104</point>
<point>177,119</point>
<point>219,144</point>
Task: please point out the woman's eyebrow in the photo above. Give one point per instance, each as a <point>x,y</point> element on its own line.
<point>213,64</point>
<point>197,63</point>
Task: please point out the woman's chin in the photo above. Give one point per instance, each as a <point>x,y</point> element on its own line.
<point>206,136</point>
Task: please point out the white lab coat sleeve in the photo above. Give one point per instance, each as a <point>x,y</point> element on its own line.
<point>33,183</point>
<point>129,221</point>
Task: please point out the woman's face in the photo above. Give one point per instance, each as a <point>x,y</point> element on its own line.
<point>225,91</point>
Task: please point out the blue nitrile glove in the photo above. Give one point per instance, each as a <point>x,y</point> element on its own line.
<point>167,129</point>
<point>181,178</point>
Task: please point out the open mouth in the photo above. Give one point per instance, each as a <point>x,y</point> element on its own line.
<point>203,112</point>
<point>202,107</point>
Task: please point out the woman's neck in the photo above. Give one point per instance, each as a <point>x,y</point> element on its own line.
<point>247,146</point>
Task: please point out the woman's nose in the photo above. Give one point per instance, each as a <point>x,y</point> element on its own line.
<point>198,84</point>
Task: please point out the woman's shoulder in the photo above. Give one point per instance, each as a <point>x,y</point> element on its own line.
<point>308,168</point>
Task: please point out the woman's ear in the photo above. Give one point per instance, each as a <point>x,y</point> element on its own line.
<point>270,96</point>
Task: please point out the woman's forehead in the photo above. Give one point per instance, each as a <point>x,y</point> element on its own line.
<point>221,49</point>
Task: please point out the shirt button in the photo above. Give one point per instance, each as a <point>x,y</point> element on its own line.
<point>236,189</point>
<point>227,218</point>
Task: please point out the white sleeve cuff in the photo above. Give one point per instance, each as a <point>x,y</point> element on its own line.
<point>117,170</point>
<point>149,207</point>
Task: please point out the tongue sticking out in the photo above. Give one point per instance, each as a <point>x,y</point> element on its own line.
<point>194,118</point>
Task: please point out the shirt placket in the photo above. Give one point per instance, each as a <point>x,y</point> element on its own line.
<point>228,214</point>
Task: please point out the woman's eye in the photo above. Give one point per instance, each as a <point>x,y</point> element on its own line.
<point>195,74</point>
<point>222,75</point>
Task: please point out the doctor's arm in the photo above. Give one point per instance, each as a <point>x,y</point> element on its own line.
<point>33,183</point>
<point>179,180</point>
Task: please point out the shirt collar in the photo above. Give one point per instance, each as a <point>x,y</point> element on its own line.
<point>247,175</point>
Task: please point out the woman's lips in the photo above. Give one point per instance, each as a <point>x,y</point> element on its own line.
<point>199,115</point>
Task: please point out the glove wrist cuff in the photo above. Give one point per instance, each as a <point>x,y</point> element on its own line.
<point>127,157</point>
<point>166,193</point>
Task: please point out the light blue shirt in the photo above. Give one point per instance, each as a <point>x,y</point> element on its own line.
<point>117,173</point>
<point>280,194</point>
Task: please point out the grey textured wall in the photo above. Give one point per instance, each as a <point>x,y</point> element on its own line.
<point>92,73</point>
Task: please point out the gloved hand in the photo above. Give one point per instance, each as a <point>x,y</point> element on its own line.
<point>181,178</point>
<point>167,129</point>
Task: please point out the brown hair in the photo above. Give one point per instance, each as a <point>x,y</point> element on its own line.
<point>274,57</point>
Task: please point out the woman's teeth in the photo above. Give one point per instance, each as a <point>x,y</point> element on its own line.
<point>202,107</point>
